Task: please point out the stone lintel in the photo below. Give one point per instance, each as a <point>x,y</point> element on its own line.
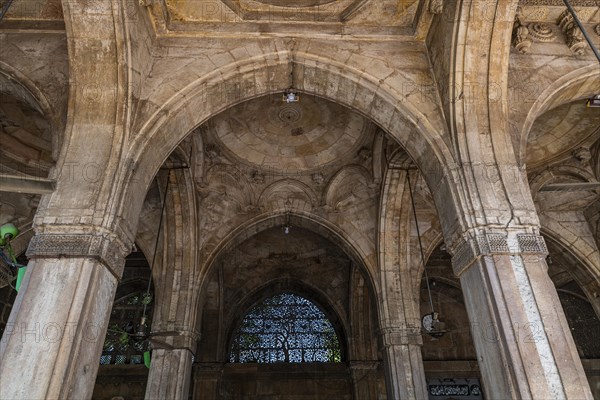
<point>397,336</point>
<point>471,248</point>
<point>107,249</point>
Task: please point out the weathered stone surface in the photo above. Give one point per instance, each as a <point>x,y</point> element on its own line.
<point>485,99</point>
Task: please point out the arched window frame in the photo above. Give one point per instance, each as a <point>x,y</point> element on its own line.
<point>315,300</point>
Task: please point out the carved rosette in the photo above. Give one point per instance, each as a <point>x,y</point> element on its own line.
<point>109,250</point>
<point>487,244</point>
<point>541,32</point>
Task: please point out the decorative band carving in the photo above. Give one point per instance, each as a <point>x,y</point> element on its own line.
<point>532,244</point>
<point>110,251</point>
<point>494,243</point>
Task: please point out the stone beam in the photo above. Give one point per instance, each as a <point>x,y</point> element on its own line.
<point>26,184</point>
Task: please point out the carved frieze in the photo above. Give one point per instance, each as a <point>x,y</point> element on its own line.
<point>110,251</point>
<point>468,250</point>
<point>532,244</point>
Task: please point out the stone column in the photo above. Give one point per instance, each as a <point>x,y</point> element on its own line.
<point>399,309</point>
<point>524,345</point>
<point>404,374</point>
<point>55,333</point>
<point>364,379</point>
<point>170,373</point>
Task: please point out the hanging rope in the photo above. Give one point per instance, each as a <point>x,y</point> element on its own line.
<point>412,200</point>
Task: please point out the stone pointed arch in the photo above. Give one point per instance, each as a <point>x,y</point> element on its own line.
<point>238,185</point>
<point>585,268</point>
<point>578,84</point>
<point>345,176</point>
<point>200,100</point>
<point>356,252</point>
<point>21,87</point>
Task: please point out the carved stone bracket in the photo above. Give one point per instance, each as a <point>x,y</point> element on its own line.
<point>397,336</point>
<point>436,6</point>
<point>575,38</point>
<point>487,244</point>
<point>520,38</point>
<point>110,251</point>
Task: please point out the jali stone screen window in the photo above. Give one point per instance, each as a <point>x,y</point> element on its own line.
<point>285,328</point>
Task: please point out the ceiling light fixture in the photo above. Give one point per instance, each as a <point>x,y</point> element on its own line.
<point>289,96</point>
<point>593,101</point>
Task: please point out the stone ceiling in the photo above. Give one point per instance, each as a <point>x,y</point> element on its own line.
<point>269,133</point>
<point>362,17</point>
<point>557,132</point>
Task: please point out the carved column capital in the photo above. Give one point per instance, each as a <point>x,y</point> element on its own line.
<point>479,244</point>
<point>83,243</point>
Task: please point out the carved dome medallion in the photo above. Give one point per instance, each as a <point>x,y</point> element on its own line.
<point>295,3</point>
<point>296,137</point>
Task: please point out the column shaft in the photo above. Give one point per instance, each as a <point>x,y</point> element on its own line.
<point>170,374</point>
<point>520,332</point>
<point>54,337</point>
<point>404,373</point>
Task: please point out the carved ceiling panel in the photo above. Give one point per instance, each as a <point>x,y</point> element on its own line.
<point>370,17</point>
<point>269,133</point>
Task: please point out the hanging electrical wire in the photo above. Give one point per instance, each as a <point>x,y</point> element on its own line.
<point>141,331</point>
<point>582,28</point>
<point>5,8</point>
<point>431,323</point>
